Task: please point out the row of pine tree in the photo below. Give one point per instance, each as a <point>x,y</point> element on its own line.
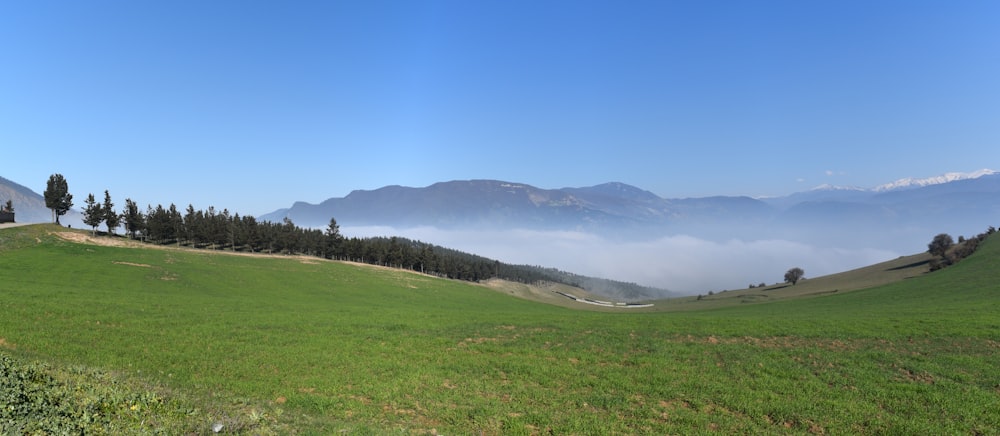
<point>224,230</point>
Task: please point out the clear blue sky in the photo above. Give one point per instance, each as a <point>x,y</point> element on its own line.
<point>253,105</point>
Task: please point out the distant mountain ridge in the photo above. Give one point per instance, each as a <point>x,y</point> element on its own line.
<point>502,204</point>
<point>474,203</point>
<point>907,207</point>
<point>29,206</point>
<point>912,182</point>
<point>888,215</point>
<point>946,178</point>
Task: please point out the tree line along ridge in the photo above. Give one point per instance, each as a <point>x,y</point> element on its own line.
<point>225,230</point>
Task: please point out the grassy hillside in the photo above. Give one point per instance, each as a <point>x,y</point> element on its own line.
<point>301,345</point>
<point>892,271</point>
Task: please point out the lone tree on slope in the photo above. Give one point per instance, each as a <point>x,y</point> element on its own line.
<point>794,275</point>
<point>57,196</point>
<point>940,245</point>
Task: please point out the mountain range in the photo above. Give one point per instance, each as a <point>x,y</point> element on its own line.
<point>479,204</point>
<point>629,234</point>
<point>963,203</point>
<point>898,215</point>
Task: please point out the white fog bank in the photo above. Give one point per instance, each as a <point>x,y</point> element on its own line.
<point>679,263</point>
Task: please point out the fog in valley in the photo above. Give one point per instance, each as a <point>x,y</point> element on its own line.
<point>681,263</point>
<point>685,246</point>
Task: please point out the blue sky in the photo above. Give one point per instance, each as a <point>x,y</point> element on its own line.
<point>253,105</point>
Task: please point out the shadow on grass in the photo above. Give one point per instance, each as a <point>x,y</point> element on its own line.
<point>912,265</point>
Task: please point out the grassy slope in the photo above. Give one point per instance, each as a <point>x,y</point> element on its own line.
<point>902,268</point>
<point>325,346</point>
<point>546,292</point>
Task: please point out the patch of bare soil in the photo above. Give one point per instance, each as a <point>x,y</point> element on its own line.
<point>142,265</point>
<point>84,238</point>
<point>780,342</point>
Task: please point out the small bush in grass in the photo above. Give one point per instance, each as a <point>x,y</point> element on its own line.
<point>950,253</point>
<point>38,398</point>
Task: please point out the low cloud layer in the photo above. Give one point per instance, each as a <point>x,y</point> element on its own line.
<point>680,263</point>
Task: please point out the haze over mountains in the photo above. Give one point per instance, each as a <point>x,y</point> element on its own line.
<point>686,244</point>
<point>956,202</point>
<point>625,233</point>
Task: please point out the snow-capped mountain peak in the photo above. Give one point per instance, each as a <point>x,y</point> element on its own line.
<point>829,187</point>
<point>911,182</point>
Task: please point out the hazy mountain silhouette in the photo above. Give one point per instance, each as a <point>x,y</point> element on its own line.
<point>900,218</point>
<point>964,206</point>
<point>29,206</point>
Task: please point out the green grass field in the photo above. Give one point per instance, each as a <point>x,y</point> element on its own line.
<point>902,268</point>
<point>296,345</point>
